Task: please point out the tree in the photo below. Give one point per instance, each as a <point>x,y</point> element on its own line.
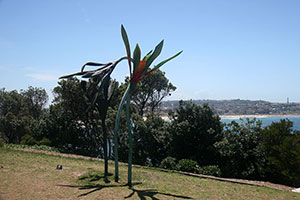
<point>71,127</point>
<point>282,147</point>
<point>150,91</point>
<point>36,99</point>
<point>12,102</point>
<point>150,140</point>
<point>70,96</point>
<point>15,116</point>
<point>241,155</point>
<point>12,128</point>
<point>194,130</point>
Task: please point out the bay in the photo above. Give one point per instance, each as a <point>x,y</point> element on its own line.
<point>266,120</point>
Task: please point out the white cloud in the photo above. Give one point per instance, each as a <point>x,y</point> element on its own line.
<point>43,77</point>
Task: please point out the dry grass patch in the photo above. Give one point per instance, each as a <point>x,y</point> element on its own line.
<point>30,175</point>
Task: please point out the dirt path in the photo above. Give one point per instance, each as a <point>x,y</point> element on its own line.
<point>232,180</point>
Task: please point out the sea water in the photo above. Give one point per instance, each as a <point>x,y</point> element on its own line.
<point>268,120</point>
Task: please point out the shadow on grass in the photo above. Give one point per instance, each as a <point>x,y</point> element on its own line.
<point>86,182</point>
<point>93,176</point>
<point>94,187</point>
<point>142,194</point>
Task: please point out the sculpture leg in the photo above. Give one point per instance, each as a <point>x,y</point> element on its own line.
<point>116,132</point>
<point>116,157</point>
<point>105,148</point>
<point>130,142</point>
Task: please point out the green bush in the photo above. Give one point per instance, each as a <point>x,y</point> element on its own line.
<point>45,141</point>
<point>1,143</point>
<point>187,165</point>
<point>37,147</point>
<point>46,148</point>
<point>28,140</point>
<point>281,144</point>
<point>168,163</point>
<point>212,170</point>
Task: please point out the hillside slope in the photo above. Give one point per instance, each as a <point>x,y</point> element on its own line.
<point>29,175</point>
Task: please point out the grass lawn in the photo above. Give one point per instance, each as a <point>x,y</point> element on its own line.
<point>27,175</point>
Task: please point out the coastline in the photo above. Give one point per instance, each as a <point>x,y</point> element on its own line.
<point>257,116</point>
<point>249,116</point>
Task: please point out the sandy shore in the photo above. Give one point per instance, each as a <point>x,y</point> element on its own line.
<point>246,116</point>
<point>256,116</point>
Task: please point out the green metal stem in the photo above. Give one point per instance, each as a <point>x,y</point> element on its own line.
<point>104,130</point>
<point>130,142</point>
<point>116,132</point>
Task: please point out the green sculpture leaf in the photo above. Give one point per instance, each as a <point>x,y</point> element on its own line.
<point>155,54</point>
<point>165,61</point>
<point>147,56</point>
<point>127,46</point>
<point>136,58</point>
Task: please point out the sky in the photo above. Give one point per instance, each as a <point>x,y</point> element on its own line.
<point>232,49</point>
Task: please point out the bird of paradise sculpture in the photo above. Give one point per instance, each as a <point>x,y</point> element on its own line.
<point>100,79</point>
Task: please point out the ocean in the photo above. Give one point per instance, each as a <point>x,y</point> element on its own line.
<point>268,120</point>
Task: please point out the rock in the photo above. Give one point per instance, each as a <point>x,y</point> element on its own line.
<point>296,190</point>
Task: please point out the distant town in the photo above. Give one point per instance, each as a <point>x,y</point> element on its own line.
<point>239,107</point>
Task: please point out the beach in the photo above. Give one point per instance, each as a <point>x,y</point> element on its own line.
<point>247,116</point>
<point>257,116</point>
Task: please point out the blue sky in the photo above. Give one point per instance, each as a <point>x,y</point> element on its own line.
<point>247,49</point>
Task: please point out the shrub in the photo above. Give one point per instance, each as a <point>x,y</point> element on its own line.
<point>168,163</point>
<point>194,130</point>
<point>1,143</point>
<point>28,140</point>
<point>45,141</point>
<point>2,140</point>
<point>37,147</point>
<point>187,165</point>
<point>281,145</point>
<point>212,170</point>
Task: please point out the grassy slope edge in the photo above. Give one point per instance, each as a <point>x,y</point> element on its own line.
<point>28,175</point>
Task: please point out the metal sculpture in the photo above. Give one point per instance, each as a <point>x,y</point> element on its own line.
<point>99,89</point>
<point>99,92</point>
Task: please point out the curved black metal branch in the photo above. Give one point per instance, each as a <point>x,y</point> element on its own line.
<point>91,64</point>
<point>98,92</point>
<point>107,68</point>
